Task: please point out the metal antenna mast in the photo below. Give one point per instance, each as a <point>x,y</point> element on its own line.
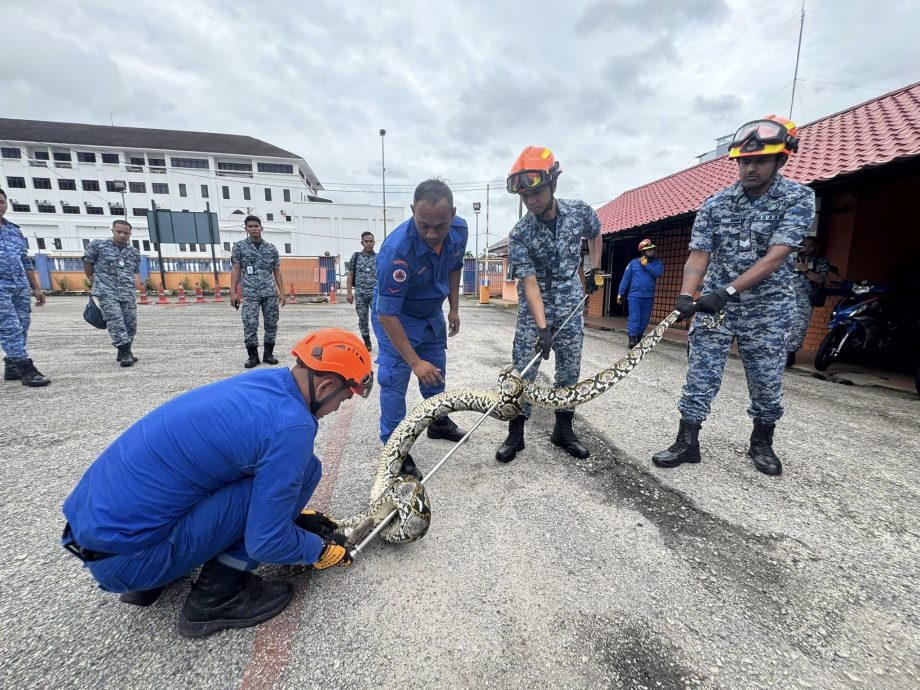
<point>798,52</point>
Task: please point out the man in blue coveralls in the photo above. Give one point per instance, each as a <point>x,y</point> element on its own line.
<point>638,284</point>
<point>419,264</point>
<point>219,476</point>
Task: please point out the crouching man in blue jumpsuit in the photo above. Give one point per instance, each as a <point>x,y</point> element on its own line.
<point>741,242</point>
<point>638,285</point>
<point>219,476</point>
<point>419,264</point>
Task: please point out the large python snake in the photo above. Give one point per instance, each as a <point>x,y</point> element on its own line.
<point>406,495</point>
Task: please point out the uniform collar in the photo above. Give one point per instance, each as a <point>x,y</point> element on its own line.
<point>777,188</point>
<point>421,248</point>
<point>6,222</point>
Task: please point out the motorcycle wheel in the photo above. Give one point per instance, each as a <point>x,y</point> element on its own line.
<point>824,357</point>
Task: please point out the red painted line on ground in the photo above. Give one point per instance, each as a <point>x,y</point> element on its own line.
<point>274,639</point>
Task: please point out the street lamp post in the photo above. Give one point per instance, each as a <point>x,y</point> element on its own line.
<point>120,186</point>
<point>476,207</point>
<point>383,169</point>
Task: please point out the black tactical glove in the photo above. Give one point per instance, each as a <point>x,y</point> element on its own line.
<point>545,342</point>
<point>590,283</point>
<point>713,302</point>
<point>335,552</point>
<point>685,306</point>
<point>316,522</point>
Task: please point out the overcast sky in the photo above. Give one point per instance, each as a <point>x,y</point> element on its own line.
<point>623,92</point>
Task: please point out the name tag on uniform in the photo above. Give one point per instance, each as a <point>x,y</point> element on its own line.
<point>249,270</point>
<point>121,263</point>
<point>768,217</point>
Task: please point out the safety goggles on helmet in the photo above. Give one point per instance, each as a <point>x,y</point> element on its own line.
<point>362,387</point>
<point>762,131</point>
<point>530,180</point>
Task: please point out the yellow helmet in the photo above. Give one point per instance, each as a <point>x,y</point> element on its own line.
<point>765,137</point>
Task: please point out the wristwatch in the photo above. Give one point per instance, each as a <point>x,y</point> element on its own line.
<point>731,291</point>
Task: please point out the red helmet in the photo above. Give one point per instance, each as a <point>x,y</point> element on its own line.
<point>646,244</point>
<point>535,168</point>
<point>333,350</point>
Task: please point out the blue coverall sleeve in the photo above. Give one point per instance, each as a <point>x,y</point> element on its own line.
<point>521,263</point>
<point>236,254</point>
<point>91,253</point>
<point>627,278</point>
<point>655,268</point>
<point>27,263</point>
<point>285,464</point>
<point>393,271</point>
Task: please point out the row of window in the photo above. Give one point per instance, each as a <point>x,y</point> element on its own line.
<point>138,161</point>
<point>133,187</point>
<point>58,245</point>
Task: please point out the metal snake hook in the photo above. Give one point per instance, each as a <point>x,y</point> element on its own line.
<point>386,521</point>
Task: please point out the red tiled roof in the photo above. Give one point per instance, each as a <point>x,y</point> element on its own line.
<point>867,135</point>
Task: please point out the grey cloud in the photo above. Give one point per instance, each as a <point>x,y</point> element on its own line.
<point>717,106</point>
<point>603,15</point>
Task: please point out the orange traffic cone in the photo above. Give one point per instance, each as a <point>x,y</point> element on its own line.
<point>199,295</point>
<point>217,296</point>
<point>182,299</point>
<point>144,299</point>
<point>161,298</point>
<point>291,299</point>
<point>332,294</point>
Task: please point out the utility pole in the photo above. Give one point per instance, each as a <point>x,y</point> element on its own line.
<point>476,207</point>
<point>211,233</point>
<point>798,52</point>
<point>383,168</point>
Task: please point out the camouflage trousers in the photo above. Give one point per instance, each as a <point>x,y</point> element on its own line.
<point>15,317</point>
<point>800,321</point>
<point>120,318</point>
<point>762,333</point>
<point>270,311</point>
<point>363,300</point>
<point>566,346</point>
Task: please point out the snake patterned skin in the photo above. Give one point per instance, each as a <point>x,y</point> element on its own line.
<point>406,495</point>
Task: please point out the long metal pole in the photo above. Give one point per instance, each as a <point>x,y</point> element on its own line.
<point>207,206</point>
<point>798,51</point>
<point>386,521</point>
<point>153,216</point>
<point>383,168</point>
<point>477,253</point>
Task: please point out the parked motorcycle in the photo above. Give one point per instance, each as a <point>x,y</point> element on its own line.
<point>866,322</point>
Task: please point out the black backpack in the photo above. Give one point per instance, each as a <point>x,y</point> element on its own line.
<point>92,314</point>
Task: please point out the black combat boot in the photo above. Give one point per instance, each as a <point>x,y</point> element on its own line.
<point>253,360</point>
<point>444,428</point>
<point>515,441</point>
<point>143,597</point>
<point>685,449</point>
<point>367,344</point>
<point>10,372</point>
<point>761,450</point>
<point>268,356</point>
<point>125,358</point>
<point>564,436</point>
<point>29,375</point>
<point>790,359</point>
<point>633,342</point>
<point>410,470</point>
<point>227,598</point>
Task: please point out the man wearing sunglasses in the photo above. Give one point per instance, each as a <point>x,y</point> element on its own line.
<point>219,476</point>
<point>740,247</point>
<point>545,255</point>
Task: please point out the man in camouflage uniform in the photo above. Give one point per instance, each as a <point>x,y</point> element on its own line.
<point>362,276</point>
<point>810,272</point>
<point>741,242</point>
<point>18,284</point>
<point>545,256</point>
<point>259,264</point>
<point>111,265</point>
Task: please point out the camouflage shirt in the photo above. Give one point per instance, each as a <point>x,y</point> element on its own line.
<point>364,266</point>
<point>800,281</point>
<point>113,268</point>
<point>257,262</point>
<point>14,256</point>
<point>535,250</point>
<point>738,231</point>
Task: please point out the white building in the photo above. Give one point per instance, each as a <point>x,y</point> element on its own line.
<point>62,181</point>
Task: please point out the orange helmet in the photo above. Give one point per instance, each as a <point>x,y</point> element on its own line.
<point>771,135</point>
<point>646,244</point>
<point>332,350</point>
<point>535,168</point>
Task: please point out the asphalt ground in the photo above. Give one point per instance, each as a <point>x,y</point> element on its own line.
<point>547,572</point>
